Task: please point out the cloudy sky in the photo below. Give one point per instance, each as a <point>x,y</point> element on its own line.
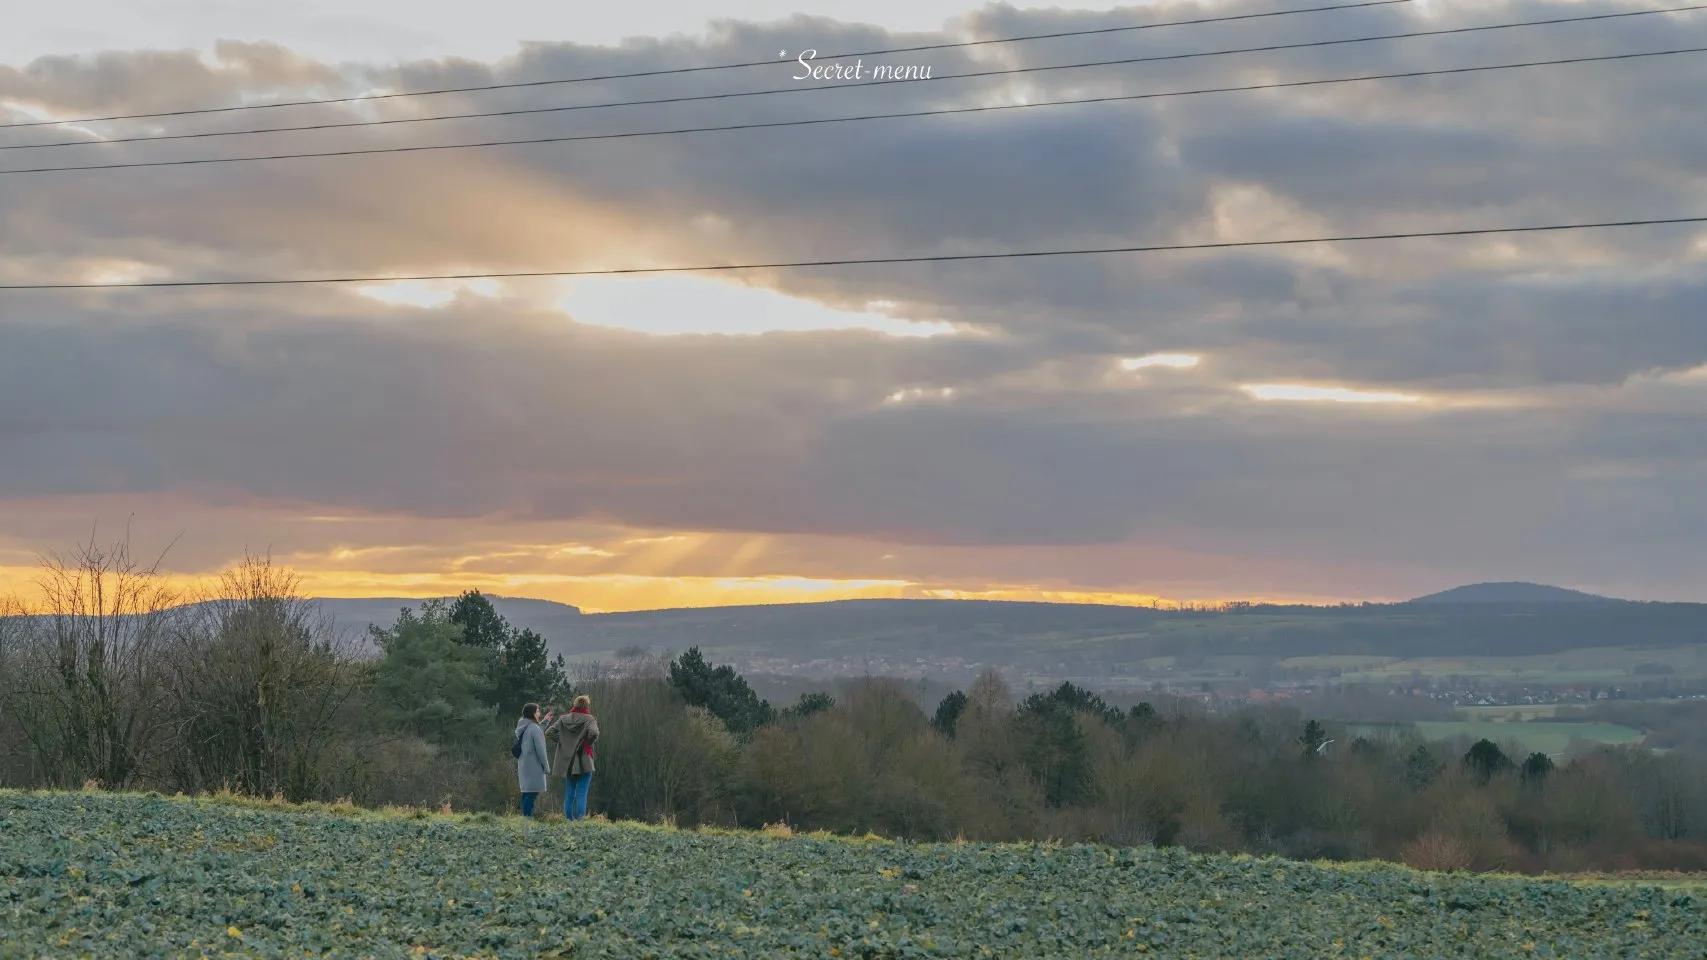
<point>1322,422</point>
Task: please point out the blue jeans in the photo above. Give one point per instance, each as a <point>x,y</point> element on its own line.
<point>527,803</point>
<point>575,788</point>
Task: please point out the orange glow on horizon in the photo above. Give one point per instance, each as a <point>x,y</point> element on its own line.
<point>617,593</point>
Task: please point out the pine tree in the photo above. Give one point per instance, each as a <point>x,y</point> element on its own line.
<point>1536,768</point>
<point>1485,759</point>
<point>524,672</point>
<point>482,625</point>
<point>948,713</point>
<point>429,682</point>
<point>1421,768</point>
<point>808,704</point>
<point>720,690</point>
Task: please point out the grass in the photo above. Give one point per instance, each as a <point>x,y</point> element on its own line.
<point>108,875</point>
<point>1511,712</point>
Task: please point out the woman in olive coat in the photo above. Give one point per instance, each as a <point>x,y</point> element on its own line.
<point>572,736</point>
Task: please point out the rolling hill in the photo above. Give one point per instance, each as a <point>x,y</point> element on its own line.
<point>1083,640</point>
<point>354,615</point>
<point>1511,591</point>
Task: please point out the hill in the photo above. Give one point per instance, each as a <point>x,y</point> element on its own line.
<point>1084,640</point>
<point>110,874</point>
<point>937,637</point>
<point>354,615</point>
<point>1510,591</point>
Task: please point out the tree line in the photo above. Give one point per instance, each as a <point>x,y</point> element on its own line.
<point>114,679</point>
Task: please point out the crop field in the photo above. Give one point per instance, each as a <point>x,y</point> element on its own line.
<point>1511,712</point>
<point>1552,737</point>
<point>1587,665</point>
<point>109,875</point>
<point>1548,736</point>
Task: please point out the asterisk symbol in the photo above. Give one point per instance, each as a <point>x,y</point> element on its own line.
<point>782,54</point>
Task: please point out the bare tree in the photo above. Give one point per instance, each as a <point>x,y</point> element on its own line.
<point>258,677</point>
<point>17,767</point>
<point>87,694</point>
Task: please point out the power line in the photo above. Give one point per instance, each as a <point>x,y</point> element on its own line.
<point>1008,71</point>
<point>722,66</point>
<point>946,111</point>
<point>867,261</point>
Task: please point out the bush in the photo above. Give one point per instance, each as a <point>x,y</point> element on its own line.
<point>1437,849</point>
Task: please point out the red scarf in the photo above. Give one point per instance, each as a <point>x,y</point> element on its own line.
<point>586,748</point>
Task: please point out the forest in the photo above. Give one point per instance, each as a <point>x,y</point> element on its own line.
<point>110,679</point>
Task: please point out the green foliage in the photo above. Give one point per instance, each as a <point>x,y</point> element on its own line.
<point>1536,767</point>
<point>523,672</point>
<point>1054,744</point>
<point>808,704</point>
<point>1069,698</point>
<point>1312,738</point>
<point>175,877</point>
<point>1486,760</point>
<point>721,690</point>
<point>1421,768</point>
<point>948,713</point>
<point>517,667</point>
<point>482,625</point>
<point>429,683</point>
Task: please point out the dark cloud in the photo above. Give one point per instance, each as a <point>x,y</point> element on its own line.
<point>1539,354</point>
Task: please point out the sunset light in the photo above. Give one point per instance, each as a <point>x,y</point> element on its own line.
<point>1209,478</point>
<point>673,306</point>
<point>1309,393</point>
<point>1174,361</point>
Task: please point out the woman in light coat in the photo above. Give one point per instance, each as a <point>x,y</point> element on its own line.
<point>532,763</point>
<point>573,734</point>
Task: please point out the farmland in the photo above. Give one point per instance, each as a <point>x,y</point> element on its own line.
<point>92,874</point>
<point>1550,737</point>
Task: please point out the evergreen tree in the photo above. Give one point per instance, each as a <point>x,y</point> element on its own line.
<point>428,682</point>
<point>1312,739</point>
<point>1421,768</point>
<point>720,690</point>
<point>482,625</point>
<point>1485,759</point>
<point>808,704</point>
<point>948,713</point>
<point>1071,699</point>
<point>1536,767</point>
<point>524,672</point>
<point>1059,754</point>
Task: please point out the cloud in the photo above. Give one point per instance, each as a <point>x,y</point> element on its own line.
<point>1316,392</point>
<point>1089,422</point>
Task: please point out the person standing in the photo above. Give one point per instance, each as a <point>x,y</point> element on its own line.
<point>572,735</point>
<point>532,760</point>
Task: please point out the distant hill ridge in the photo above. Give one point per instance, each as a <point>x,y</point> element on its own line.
<point>355,614</point>
<point>1513,591</point>
<point>553,618</point>
<point>1063,639</point>
<point>1087,640</point>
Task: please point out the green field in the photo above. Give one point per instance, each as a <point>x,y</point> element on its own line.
<point>1551,737</point>
<point>1586,665</point>
<point>104,875</point>
<point>1512,712</point>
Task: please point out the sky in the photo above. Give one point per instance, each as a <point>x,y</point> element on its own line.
<point>1319,423</point>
